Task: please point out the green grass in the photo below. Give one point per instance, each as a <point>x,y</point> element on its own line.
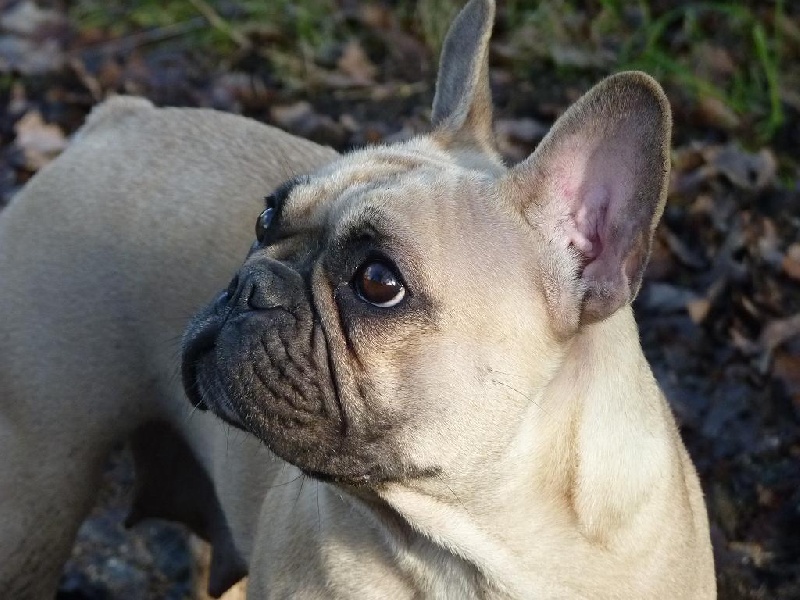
<point>432,20</point>
<point>609,35</point>
<point>304,21</point>
<point>629,35</point>
<point>754,86</point>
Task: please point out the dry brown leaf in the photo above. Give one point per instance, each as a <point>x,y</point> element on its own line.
<point>791,262</point>
<point>786,367</point>
<point>376,16</point>
<point>753,551</point>
<point>715,59</point>
<point>40,142</point>
<point>702,205</point>
<point>516,138</point>
<point>32,38</point>
<point>288,116</point>
<point>779,331</point>
<point>28,18</point>
<point>355,63</point>
<point>741,168</point>
<point>698,309</point>
<point>714,112</point>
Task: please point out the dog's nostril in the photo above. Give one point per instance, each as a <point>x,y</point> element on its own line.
<point>222,298</point>
<point>254,298</point>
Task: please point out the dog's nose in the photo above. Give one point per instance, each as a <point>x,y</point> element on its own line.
<point>265,284</point>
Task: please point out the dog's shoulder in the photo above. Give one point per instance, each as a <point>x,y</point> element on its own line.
<point>113,111</point>
<point>183,133</point>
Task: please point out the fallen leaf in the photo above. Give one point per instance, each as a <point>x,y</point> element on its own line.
<point>516,138</point>
<point>779,331</point>
<point>30,57</point>
<point>289,115</point>
<point>569,55</point>
<point>715,59</point>
<point>682,251</point>
<point>768,243</point>
<point>525,130</point>
<point>786,368</point>
<point>753,552</point>
<point>714,112</point>
<point>791,262</point>
<point>355,63</point>
<point>698,309</point>
<point>376,16</point>
<point>741,168</point>
<point>39,142</point>
<point>31,40</point>
<point>300,118</point>
<point>27,18</point>
<point>665,297</point>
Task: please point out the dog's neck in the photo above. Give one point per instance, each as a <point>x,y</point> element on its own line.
<point>585,490</point>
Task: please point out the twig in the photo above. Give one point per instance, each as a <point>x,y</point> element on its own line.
<point>142,38</point>
<point>89,81</point>
<point>217,22</point>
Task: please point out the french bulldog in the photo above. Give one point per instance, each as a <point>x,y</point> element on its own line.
<point>431,357</point>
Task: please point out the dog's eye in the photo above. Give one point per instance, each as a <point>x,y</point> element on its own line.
<point>263,222</point>
<point>377,283</point>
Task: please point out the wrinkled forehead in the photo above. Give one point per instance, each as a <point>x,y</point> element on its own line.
<point>444,222</point>
<point>411,185</point>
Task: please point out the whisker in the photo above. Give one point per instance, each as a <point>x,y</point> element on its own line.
<point>447,485</point>
<point>176,373</point>
<point>499,372</point>
<point>300,491</point>
<point>203,396</point>
<point>277,485</point>
<point>513,389</point>
<point>191,413</point>
<point>319,515</point>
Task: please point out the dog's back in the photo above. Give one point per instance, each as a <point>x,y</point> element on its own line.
<point>103,257</point>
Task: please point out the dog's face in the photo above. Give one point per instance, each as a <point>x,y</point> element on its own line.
<point>371,319</point>
<point>401,307</point>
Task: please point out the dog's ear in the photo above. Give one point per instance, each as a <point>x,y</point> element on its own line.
<point>595,189</point>
<point>462,106</point>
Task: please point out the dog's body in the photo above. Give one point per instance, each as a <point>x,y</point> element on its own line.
<point>502,437</point>
<point>91,323</point>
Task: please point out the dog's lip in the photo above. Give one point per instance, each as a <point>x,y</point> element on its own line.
<point>200,344</point>
<point>371,479</point>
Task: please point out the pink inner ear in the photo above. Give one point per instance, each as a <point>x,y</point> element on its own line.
<point>584,187</point>
<point>587,222</point>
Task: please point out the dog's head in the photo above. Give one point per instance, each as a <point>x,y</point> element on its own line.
<point>401,306</point>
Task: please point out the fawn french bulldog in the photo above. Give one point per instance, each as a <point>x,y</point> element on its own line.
<point>435,354</point>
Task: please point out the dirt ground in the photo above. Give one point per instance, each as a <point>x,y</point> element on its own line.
<point>720,309</point>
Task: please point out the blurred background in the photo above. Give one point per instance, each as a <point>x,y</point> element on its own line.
<point>720,309</point>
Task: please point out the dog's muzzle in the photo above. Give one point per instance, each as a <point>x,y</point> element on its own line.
<point>257,357</point>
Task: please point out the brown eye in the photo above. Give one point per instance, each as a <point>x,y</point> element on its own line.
<point>377,283</point>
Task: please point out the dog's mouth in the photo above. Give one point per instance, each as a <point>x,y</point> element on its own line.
<point>195,350</point>
<point>267,368</point>
<point>205,390</point>
<point>265,372</point>
<point>230,368</point>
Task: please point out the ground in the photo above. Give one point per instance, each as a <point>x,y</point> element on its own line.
<point>720,309</point>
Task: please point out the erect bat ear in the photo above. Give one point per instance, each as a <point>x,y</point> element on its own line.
<point>595,188</point>
<point>462,106</point>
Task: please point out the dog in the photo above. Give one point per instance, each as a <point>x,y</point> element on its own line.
<point>435,354</point>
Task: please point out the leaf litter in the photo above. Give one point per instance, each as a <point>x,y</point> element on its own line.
<point>719,312</point>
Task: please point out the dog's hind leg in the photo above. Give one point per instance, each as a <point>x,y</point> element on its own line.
<point>172,484</point>
<point>45,492</point>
